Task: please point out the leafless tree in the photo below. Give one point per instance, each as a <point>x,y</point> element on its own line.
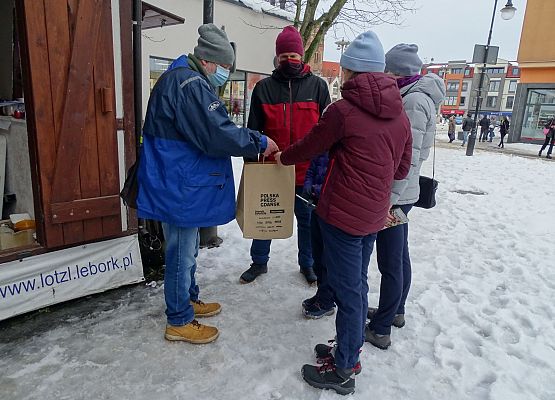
<point>314,18</point>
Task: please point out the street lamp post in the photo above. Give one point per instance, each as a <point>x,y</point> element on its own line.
<point>507,13</point>
<point>341,44</point>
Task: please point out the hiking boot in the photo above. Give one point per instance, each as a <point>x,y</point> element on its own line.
<point>377,340</point>
<point>205,309</point>
<point>193,332</point>
<point>316,311</point>
<point>328,376</point>
<point>253,272</point>
<point>310,301</point>
<point>398,320</point>
<point>325,354</point>
<point>309,275</point>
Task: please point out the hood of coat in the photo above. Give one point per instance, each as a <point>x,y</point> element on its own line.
<point>375,93</point>
<point>431,85</point>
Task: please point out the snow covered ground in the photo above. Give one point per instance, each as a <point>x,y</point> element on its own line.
<point>480,317</point>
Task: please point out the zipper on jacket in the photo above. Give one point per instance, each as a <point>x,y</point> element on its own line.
<point>332,162</point>
<point>291,141</point>
<point>284,115</point>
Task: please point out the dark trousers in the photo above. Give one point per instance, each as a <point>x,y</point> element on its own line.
<point>501,144</point>
<point>260,249</point>
<point>324,293</point>
<point>394,264</point>
<point>483,134</point>
<point>547,139</point>
<point>346,258</point>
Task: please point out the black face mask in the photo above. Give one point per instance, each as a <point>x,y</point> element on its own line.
<point>290,67</point>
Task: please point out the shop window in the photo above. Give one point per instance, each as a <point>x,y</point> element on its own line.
<point>539,109</point>
<point>510,102</point>
<point>491,101</point>
<point>158,66</point>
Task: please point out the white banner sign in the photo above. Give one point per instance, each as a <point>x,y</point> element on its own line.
<point>51,278</point>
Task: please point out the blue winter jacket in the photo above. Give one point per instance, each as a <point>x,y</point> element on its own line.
<point>316,176</point>
<point>185,174</point>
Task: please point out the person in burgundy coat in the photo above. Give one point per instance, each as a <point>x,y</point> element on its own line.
<point>369,140</point>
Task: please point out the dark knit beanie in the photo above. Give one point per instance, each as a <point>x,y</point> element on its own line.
<point>289,41</point>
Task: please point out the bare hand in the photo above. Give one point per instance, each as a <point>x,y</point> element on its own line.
<point>277,157</point>
<point>271,149</point>
<point>391,219</point>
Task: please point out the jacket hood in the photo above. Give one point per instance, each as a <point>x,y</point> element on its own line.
<point>431,85</point>
<point>374,92</point>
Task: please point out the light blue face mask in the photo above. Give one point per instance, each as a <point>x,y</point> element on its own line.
<point>220,77</point>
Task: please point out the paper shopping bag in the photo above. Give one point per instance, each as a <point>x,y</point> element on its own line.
<point>266,201</point>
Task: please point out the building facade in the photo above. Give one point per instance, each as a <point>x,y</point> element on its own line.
<point>535,96</point>
<point>253,31</point>
<point>461,83</point>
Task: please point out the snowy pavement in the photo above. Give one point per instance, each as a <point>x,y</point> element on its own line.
<point>480,316</point>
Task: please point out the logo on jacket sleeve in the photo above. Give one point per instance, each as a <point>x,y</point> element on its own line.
<point>214,106</point>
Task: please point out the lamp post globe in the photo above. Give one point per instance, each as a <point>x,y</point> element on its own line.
<point>508,12</point>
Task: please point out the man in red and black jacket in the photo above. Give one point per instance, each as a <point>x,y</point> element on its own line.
<point>285,107</point>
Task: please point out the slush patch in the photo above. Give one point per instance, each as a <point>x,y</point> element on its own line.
<point>214,106</point>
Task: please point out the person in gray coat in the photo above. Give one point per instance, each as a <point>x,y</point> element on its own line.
<point>422,96</point>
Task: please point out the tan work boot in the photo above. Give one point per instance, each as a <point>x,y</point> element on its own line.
<point>193,332</point>
<point>205,309</point>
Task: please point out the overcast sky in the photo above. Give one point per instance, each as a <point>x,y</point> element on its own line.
<point>448,29</point>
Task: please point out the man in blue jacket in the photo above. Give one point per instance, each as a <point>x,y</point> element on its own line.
<point>185,173</point>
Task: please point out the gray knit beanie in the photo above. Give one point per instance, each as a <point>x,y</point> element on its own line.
<point>213,45</point>
<point>403,60</point>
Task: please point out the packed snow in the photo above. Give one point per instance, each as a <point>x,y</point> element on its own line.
<point>480,316</point>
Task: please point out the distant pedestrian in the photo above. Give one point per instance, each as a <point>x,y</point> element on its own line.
<point>484,128</point>
<point>491,132</point>
<point>549,130</point>
<point>503,130</point>
<point>468,125</point>
<point>452,128</point>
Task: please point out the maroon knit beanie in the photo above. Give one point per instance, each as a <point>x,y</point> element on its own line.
<point>289,41</point>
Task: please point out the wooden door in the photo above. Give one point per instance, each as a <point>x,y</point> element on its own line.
<point>71,118</point>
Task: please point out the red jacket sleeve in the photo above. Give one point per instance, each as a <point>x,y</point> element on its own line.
<point>404,166</point>
<point>327,132</point>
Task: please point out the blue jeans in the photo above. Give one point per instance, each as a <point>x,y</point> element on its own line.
<point>392,247</point>
<point>346,258</point>
<point>324,293</point>
<point>179,278</point>
<point>465,137</point>
<point>260,249</point>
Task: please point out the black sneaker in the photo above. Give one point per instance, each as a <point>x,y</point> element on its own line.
<point>253,272</point>
<point>327,376</point>
<point>309,275</point>
<point>398,321</point>
<point>316,311</point>
<point>325,355</point>
<point>310,301</point>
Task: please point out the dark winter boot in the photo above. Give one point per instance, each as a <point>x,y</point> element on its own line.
<point>317,311</point>
<point>398,321</point>
<point>253,272</point>
<point>309,275</point>
<point>379,341</point>
<point>310,301</point>
<point>325,354</point>
<point>540,154</point>
<point>328,376</point>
